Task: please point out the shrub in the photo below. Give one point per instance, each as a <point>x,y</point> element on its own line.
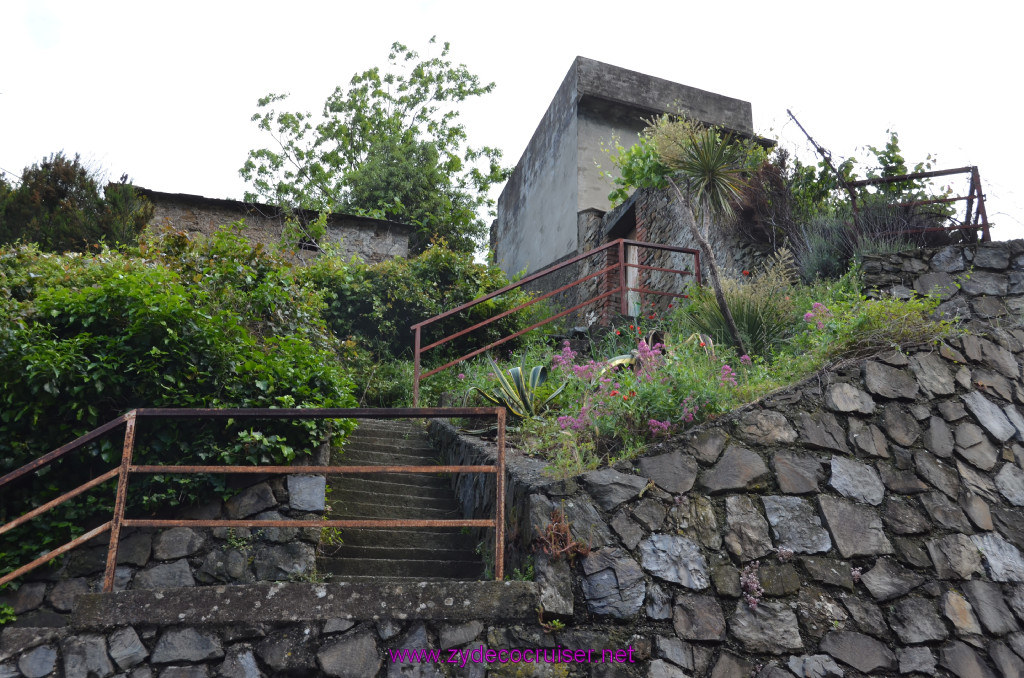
<point>84,338</point>
<point>761,305</point>
<point>59,206</point>
<point>376,304</point>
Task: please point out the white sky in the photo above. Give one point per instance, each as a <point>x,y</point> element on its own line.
<point>164,91</point>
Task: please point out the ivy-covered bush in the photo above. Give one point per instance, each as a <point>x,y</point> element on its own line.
<point>210,323</point>
<point>375,304</point>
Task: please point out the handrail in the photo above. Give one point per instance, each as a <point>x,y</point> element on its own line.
<point>976,217</point>
<point>125,468</point>
<point>616,270</point>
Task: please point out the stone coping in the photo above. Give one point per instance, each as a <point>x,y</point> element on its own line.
<point>300,602</point>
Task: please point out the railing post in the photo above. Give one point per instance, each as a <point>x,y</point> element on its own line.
<point>120,501</point>
<point>696,264</point>
<point>416,369</point>
<point>623,293</point>
<point>499,509</point>
<point>982,212</point>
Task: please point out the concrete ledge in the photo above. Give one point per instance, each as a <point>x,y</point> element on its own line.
<point>298,602</point>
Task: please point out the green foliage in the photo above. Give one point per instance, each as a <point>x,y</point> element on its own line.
<point>518,392</point>
<point>7,613</point>
<point>389,146</point>
<point>679,379</point>
<point>808,208</point>
<point>376,304</point>
<point>212,323</point>
<point>762,307</point>
<point>59,205</point>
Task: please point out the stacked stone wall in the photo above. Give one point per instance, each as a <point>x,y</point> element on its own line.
<point>867,521</point>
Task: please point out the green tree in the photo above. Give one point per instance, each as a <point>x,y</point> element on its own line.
<point>390,145</point>
<point>60,206</point>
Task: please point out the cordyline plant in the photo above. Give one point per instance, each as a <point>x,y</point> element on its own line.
<point>706,173</point>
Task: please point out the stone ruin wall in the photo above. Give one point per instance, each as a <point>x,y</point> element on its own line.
<point>372,240</point>
<point>874,513</point>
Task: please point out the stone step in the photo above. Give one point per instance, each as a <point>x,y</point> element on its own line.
<point>342,509</point>
<point>387,428</point>
<point>413,485</point>
<point>421,538</point>
<point>447,569</point>
<point>379,458</point>
<point>438,500</point>
<point>398,553</point>
<point>388,443</point>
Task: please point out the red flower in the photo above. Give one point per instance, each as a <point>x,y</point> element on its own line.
<point>670,305</point>
<point>702,344</point>
<point>614,393</point>
<point>618,332</point>
<point>651,316</point>
<point>625,398</point>
<point>686,296</point>
<point>631,327</point>
<point>746,272</point>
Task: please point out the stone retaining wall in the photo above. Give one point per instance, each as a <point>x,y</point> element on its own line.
<point>868,521</point>
<point>982,284</point>
<point>186,557</point>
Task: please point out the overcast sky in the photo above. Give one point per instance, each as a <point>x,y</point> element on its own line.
<point>164,91</point>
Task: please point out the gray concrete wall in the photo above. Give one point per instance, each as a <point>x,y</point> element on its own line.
<point>536,220</point>
<point>558,174</point>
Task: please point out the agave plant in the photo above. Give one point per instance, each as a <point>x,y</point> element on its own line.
<point>518,392</point>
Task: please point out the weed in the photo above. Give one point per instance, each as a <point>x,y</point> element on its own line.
<point>6,614</point>
<point>525,572</point>
<point>557,541</point>
<point>239,542</point>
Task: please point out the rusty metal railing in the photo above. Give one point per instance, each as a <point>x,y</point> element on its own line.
<point>126,467</point>
<point>975,217</point>
<point>615,271</point>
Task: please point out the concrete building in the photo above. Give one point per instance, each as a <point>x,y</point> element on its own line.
<point>373,240</point>
<point>540,213</point>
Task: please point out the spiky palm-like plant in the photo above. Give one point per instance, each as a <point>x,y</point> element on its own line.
<point>707,178</point>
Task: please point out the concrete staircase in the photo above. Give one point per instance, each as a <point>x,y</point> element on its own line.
<point>422,553</point>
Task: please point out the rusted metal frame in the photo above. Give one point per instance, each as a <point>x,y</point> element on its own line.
<point>499,506</point>
<point>63,449</point>
<point>120,501</point>
<point>644,290</point>
<point>315,413</point>
<point>354,522</point>
<point>517,308</point>
<point>416,367</point>
<point>696,265</point>
<point>930,201</point>
<point>969,216</point>
<point>656,268</point>
<point>507,288</point>
<point>986,236</point>
<point>318,470</point>
<point>548,271</point>
<point>660,246</point>
<point>908,177</point>
<point>519,333</point>
<point>99,480</point>
<point>623,297</point>
<point>42,560</point>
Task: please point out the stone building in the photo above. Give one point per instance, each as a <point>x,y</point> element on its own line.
<point>373,240</point>
<point>555,206</point>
